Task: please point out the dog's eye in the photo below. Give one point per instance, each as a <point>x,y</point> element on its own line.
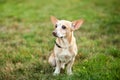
<point>63,27</point>
<point>56,26</point>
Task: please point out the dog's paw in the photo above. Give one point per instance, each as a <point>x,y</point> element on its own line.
<point>70,73</point>
<point>55,74</point>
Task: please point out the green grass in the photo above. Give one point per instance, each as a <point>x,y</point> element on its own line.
<point>26,40</point>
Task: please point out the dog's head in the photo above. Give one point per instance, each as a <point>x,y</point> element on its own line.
<point>64,27</point>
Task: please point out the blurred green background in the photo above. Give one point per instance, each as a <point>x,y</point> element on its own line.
<point>26,40</point>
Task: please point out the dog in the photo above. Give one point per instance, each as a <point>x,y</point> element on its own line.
<point>65,48</point>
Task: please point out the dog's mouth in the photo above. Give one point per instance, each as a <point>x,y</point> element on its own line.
<point>58,36</point>
<point>55,35</point>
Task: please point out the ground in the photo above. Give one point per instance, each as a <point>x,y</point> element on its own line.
<point>26,40</point>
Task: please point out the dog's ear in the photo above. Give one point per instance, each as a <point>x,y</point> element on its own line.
<point>77,24</point>
<point>53,19</point>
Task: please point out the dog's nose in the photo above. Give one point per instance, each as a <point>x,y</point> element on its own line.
<point>54,33</point>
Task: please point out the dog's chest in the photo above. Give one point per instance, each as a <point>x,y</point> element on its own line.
<point>65,55</point>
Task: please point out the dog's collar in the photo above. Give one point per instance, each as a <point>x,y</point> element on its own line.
<point>57,45</point>
<point>60,46</point>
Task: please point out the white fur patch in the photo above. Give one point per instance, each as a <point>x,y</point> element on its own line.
<point>65,56</point>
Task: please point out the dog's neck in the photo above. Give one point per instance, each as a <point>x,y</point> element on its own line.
<point>66,42</point>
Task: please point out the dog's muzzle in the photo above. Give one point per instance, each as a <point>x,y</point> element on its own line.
<point>54,34</point>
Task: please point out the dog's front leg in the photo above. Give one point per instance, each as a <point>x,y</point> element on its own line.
<point>57,69</point>
<point>69,67</point>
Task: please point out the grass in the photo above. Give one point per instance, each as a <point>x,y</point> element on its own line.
<point>26,40</point>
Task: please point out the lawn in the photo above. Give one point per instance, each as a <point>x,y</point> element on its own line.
<point>26,40</point>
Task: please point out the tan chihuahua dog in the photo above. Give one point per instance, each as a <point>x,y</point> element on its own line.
<point>65,48</point>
